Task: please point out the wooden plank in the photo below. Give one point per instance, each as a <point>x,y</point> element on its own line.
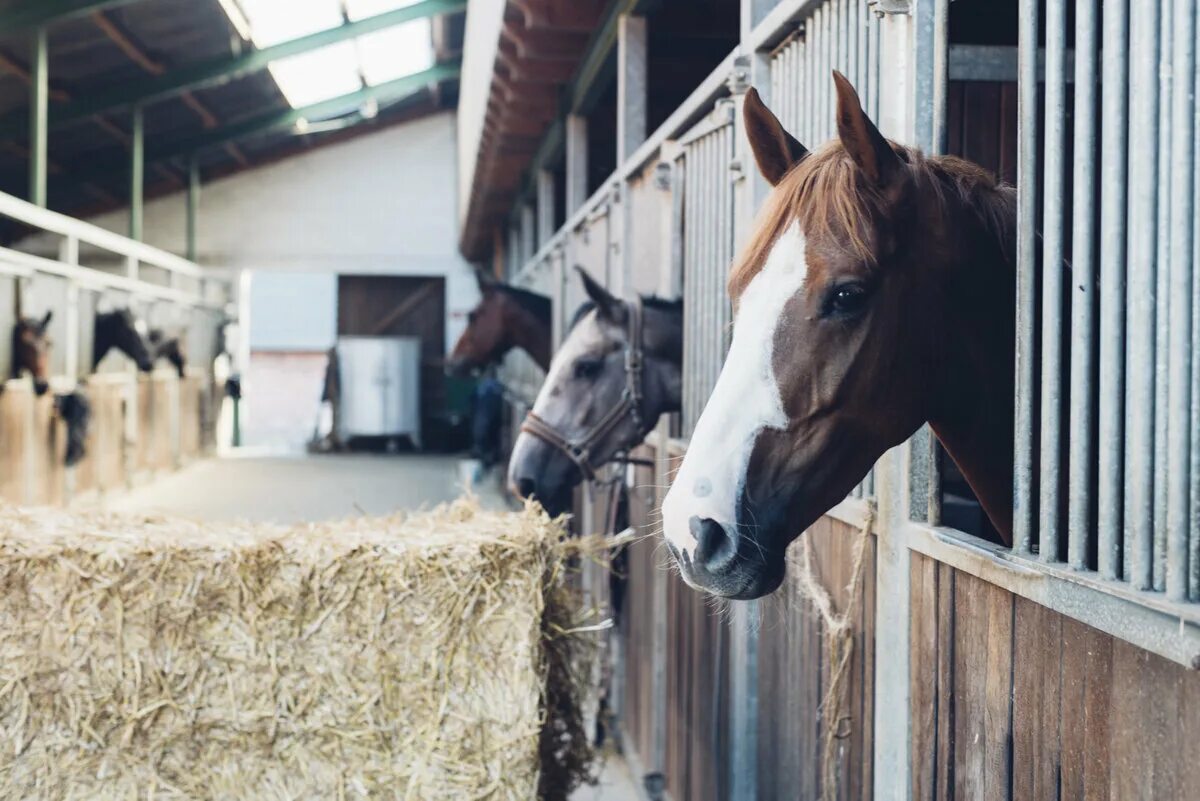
<point>997,723</point>
<point>16,401</point>
<point>923,673</point>
<point>970,657</point>
<point>944,753</point>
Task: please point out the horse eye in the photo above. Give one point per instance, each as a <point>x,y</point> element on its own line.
<point>587,369</point>
<point>846,300</point>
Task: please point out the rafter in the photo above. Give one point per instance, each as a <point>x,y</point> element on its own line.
<point>47,12</point>
<point>173,82</point>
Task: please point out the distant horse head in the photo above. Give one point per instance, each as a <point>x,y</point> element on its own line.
<point>118,329</point>
<point>505,318</point>
<point>31,350</point>
<point>875,295</point>
<point>616,372</point>
<point>163,347</point>
<point>76,411</point>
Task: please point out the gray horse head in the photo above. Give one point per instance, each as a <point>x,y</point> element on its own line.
<point>587,380</point>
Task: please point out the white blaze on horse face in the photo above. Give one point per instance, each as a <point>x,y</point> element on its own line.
<point>744,402</point>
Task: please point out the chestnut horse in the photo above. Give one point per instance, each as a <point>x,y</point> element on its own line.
<point>505,318</point>
<point>618,369</point>
<point>876,294</point>
<point>31,351</point>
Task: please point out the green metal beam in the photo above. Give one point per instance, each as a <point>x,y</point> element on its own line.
<point>137,174</point>
<point>193,206</point>
<point>36,13</point>
<point>39,100</point>
<point>264,123</point>
<point>221,70</point>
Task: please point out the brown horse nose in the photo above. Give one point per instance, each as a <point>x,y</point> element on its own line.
<point>716,549</point>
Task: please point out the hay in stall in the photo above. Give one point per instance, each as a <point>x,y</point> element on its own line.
<point>405,657</point>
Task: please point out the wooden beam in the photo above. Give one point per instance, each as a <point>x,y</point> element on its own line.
<point>46,12</point>
<point>21,72</point>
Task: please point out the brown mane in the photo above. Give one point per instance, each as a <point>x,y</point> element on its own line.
<point>827,195</point>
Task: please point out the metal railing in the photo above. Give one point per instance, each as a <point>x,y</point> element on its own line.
<point>1118,439</point>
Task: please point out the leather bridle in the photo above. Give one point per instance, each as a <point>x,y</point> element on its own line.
<point>579,450</point>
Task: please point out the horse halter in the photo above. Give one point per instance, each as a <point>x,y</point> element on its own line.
<point>579,450</point>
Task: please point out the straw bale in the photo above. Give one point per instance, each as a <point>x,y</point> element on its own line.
<point>404,657</point>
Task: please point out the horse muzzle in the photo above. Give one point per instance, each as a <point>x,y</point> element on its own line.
<point>726,560</point>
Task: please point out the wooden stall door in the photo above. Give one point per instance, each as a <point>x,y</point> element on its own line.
<point>386,305</point>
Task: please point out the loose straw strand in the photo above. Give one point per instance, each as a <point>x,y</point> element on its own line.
<point>839,639</point>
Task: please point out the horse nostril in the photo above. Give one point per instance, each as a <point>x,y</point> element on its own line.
<point>716,549</point>
<point>526,487</point>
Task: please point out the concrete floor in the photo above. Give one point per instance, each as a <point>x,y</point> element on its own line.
<point>295,489</point>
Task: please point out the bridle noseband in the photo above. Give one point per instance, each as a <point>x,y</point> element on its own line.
<point>579,451</point>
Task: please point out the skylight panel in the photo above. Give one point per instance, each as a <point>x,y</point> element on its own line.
<point>275,21</point>
<point>395,52</point>
<point>319,75</point>
<point>360,9</point>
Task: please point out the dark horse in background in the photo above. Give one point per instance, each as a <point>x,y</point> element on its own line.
<point>162,346</point>
<point>118,329</point>
<point>876,295</point>
<point>31,351</point>
<point>505,318</point>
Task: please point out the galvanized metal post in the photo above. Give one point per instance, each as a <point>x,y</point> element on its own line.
<point>193,206</point>
<point>545,207</point>
<point>1114,115</point>
<point>1027,161</point>
<point>577,162</point>
<point>1083,279</point>
<point>1141,295</point>
<point>528,233</point>
<point>1182,230</point>
<point>1194,543</point>
<point>1162,323</point>
<point>39,100</point>
<point>632,85</point>
<point>137,168</point>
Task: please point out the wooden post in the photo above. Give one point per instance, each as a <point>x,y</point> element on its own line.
<point>632,85</point>
<point>577,162</point>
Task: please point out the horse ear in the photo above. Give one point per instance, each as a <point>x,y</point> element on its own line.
<point>775,150</point>
<point>607,304</point>
<point>862,140</point>
<point>45,323</point>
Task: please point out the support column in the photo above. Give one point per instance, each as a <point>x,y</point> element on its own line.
<point>545,207</point>
<point>632,83</point>
<point>528,232</point>
<point>577,162</point>
<point>193,206</point>
<point>137,168</point>
<point>39,99</point>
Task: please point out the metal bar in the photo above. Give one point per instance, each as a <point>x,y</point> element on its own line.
<point>632,85</point>
<point>1114,114</point>
<point>225,69</point>
<point>1162,328</point>
<point>45,12</point>
<point>1194,544</point>
<point>193,206</point>
<point>137,173</point>
<point>1027,160</point>
<point>39,100</point>
<point>941,74</point>
<point>1143,174</point>
<point>1179,459</point>
<point>1083,284</point>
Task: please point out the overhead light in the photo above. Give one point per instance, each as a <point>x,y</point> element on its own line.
<point>302,125</point>
<point>370,109</point>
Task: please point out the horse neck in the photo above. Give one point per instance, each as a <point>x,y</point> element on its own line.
<point>975,408</point>
<point>663,341</point>
<point>530,333</point>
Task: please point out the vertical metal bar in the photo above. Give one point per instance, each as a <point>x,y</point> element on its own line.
<point>862,34</point>
<point>808,112</point>
<point>1194,544</point>
<point>1114,114</point>
<point>873,66</point>
<point>1083,280</point>
<point>137,169</point>
<point>39,100</point>
<point>193,206</point>
<point>1027,159</point>
<point>1162,327</point>
<point>854,12</point>
<point>1179,431</point>
<point>941,73</point>
<point>843,37</point>
<point>1143,174</point>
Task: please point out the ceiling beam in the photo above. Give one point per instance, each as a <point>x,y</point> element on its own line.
<point>46,12</point>
<point>222,70</point>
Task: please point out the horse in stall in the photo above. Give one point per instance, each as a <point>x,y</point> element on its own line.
<point>505,318</point>
<point>170,348</point>
<point>118,329</point>
<point>31,350</point>
<point>617,371</point>
<point>876,295</point>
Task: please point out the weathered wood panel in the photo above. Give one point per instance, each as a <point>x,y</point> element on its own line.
<point>1012,700</point>
<point>795,675</point>
<point>190,420</point>
<point>103,469</point>
<point>641,570</point>
<point>48,448</point>
<point>16,400</point>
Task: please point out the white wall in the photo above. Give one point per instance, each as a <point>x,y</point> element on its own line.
<point>481,41</point>
<point>381,203</point>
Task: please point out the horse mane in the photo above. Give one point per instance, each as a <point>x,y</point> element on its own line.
<point>537,305</point>
<point>825,193</point>
<point>648,301</point>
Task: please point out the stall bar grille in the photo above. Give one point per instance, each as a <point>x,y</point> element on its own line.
<point>704,176</point>
<point>1108,322</point>
<point>841,35</point>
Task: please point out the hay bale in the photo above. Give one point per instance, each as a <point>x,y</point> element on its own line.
<point>407,657</point>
